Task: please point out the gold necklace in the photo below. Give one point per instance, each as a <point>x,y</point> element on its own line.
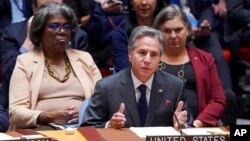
<point>67,69</point>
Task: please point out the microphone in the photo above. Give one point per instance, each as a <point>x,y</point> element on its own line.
<point>168,103</point>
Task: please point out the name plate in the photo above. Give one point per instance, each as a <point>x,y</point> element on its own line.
<point>189,138</point>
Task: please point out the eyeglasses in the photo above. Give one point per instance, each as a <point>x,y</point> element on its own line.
<point>56,27</point>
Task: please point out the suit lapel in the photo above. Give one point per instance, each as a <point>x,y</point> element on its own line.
<point>36,75</point>
<point>156,98</point>
<point>128,93</point>
<point>79,71</point>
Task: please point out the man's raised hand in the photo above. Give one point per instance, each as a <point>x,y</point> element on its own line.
<point>118,119</point>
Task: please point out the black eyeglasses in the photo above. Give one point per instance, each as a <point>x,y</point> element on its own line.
<point>56,27</point>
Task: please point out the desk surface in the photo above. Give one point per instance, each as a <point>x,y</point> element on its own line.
<point>89,134</point>
<point>124,134</point>
<point>107,135</point>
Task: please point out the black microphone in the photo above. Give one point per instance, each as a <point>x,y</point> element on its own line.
<point>167,102</point>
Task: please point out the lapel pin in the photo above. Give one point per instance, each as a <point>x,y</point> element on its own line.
<point>160,90</point>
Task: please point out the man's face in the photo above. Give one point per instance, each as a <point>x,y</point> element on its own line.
<point>145,57</point>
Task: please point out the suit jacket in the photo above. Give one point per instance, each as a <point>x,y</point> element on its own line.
<point>237,20</point>
<point>27,77</point>
<point>210,93</point>
<point>4,119</point>
<point>100,44</point>
<point>6,15</point>
<point>111,91</point>
<point>81,7</point>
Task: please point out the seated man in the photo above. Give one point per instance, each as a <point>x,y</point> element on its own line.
<point>110,16</point>
<point>118,102</point>
<point>237,34</point>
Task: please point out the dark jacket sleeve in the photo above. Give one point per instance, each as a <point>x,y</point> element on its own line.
<point>4,120</point>
<point>239,11</point>
<point>9,52</point>
<point>202,9</point>
<point>80,41</point>
<point>96,113</point>
<point>120,49</point>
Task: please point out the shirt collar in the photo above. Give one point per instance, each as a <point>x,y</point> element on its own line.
<point>137,82</point>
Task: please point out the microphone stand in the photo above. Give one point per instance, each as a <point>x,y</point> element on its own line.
<point>167,102</point>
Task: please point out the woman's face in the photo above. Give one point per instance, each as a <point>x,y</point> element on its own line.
<point>144,8</point>
<point>57,34</point>
<point>175,33</point>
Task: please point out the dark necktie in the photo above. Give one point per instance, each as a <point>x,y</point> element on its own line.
<point>142,104</point>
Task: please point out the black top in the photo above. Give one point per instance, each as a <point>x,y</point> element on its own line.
<point>190,84</point>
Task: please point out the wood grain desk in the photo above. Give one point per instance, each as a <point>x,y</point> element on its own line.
<point>87,134</point>
<point>124,134</point>
<point>90,134</point>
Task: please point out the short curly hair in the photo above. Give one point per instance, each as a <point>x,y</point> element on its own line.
<point>42,15</point>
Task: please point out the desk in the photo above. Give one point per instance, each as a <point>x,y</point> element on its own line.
<point>124,134</point>
<point>89,134</point>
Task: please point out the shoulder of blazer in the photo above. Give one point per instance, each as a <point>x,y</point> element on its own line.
<point>78,54</point>
<point>196,53</point>
<point>35,55</point>
<point>123,77</point>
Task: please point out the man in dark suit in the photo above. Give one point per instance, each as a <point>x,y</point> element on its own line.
<point>16,41</point>
<point>237,34</point>
<point>6,14</point>
<point>115,99</point>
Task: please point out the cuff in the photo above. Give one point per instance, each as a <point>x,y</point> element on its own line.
<point>107,124</point>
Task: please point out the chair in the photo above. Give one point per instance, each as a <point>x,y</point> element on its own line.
<point>227,55</point>
<point>244,54</point>
<point>83,107</point>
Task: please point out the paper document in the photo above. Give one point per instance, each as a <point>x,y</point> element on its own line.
<point>142,132</point>
<point>204,131</point>
<point>6,137</point>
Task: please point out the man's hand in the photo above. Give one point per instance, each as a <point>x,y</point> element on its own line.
<point>181,116</point>
<point>118,119</point>
<point>220,9</point>
<point>204,29</point>
<point>111,6</point>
